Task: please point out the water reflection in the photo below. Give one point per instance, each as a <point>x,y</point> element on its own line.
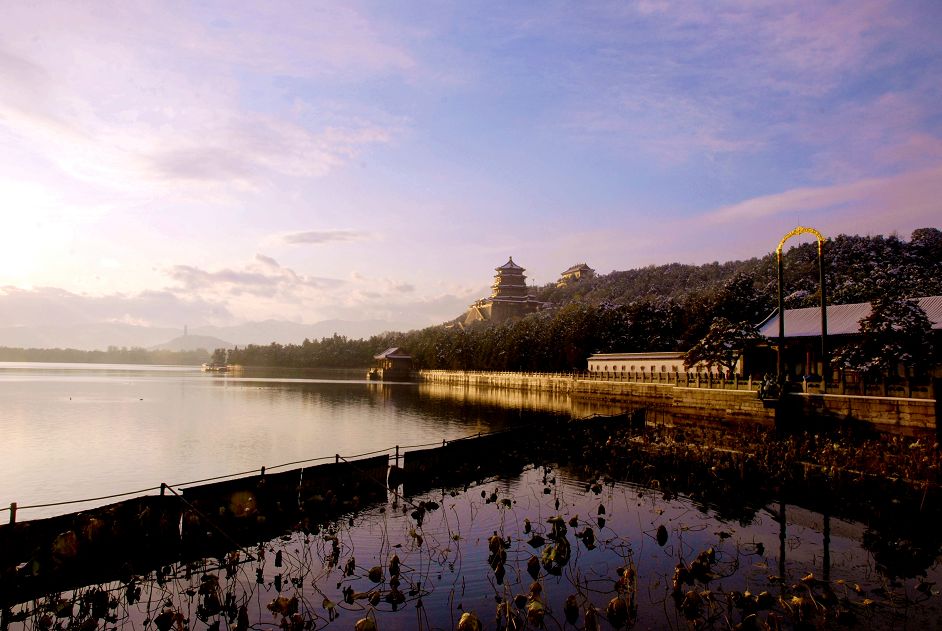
<point>520,548</point>
<point>78,431</point>
<point>531,400</point>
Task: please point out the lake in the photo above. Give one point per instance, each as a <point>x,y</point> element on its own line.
<point>76,431</point>
<point>523,543</point>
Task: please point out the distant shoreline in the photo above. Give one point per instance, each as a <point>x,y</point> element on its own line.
<point>113,355</point>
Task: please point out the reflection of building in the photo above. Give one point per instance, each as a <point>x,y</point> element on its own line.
<point>574,274</point>
<point>509,298</point>
<point>517,399</point>
<point>392,364</point>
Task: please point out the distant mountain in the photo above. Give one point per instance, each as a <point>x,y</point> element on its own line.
<point>101,335</point>
<point>193,343</point>
<point>88,337</point>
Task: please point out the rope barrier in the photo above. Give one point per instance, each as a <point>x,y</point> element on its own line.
<point>213,479</point>
<point>288,464</point>
<point>90,499</point>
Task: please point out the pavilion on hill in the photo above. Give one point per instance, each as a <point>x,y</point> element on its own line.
<point>574,274</point>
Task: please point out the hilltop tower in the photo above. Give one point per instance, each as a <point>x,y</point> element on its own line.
<point>509,298</point>
<point>509,282</point>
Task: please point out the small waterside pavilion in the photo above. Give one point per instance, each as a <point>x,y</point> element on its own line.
<point>393,363</point>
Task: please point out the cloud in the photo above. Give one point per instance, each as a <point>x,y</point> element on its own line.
<point>323,236</point>
<point>247,147</point>
<point>682,80</point>
<point>266,280</point>
<point>56,307</point>
<point>301,40</point>
<point>136,96</point>
<point>910,198</point>
<point>266,260</point>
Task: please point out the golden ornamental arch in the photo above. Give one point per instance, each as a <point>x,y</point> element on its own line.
<point>797,231</point>
<point>825,360</point>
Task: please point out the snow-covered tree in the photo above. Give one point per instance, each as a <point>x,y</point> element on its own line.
<point>897,332</point>
<point>722,345</point>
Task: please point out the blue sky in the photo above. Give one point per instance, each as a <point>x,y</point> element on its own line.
<point>217,162</point>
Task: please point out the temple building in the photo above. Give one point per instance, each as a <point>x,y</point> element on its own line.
<point>509,298</point>
<point>574,274</point>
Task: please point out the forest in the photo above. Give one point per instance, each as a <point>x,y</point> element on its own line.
<point>656,308</point>
<point>114,355</point>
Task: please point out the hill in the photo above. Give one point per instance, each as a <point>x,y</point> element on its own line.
<point>193,343</point>
<point>858,269</point>
<point>658,308</point>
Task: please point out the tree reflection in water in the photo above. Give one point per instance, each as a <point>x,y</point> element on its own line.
<point>545,548</point>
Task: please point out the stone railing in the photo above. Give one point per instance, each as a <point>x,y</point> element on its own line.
<point>678,379</point>
<point>898,388</point>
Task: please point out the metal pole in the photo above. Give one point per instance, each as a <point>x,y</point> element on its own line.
<point>781,314</point>
<point>825,359</point>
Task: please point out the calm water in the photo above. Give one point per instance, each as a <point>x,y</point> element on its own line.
<point>326,578</point>
<point>75,431</point>
<point>78,431</point>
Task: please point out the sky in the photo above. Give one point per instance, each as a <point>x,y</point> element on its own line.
<point>169,163</point>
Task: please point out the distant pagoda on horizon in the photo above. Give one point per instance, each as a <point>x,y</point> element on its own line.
<point>509,298</point>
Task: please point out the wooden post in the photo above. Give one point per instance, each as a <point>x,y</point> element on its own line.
<point>397,456</point>
<point>163,489</point>
<point>336,458</point>
<point>12,513</point>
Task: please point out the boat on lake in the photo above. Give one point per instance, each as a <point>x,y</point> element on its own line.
<point>215,367</point>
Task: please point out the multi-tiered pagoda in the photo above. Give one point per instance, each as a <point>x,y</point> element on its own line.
<point>509,282</point>
<point>509,298</point>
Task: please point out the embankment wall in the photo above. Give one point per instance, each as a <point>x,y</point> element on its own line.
<point>711,401</point>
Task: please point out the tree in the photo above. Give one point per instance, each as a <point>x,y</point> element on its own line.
<point>722,345</point>
<point>219,356</point>
<point>897,332</point>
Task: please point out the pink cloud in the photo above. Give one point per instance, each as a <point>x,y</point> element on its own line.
<point>886,204</point>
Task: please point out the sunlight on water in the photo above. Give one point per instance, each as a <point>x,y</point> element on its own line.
<point>80,431</point>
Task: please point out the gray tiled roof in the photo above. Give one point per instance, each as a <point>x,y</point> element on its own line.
<point>842,319</point>
<point>509,265</point>
<point>578,267</point>
<point>390,353</point>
